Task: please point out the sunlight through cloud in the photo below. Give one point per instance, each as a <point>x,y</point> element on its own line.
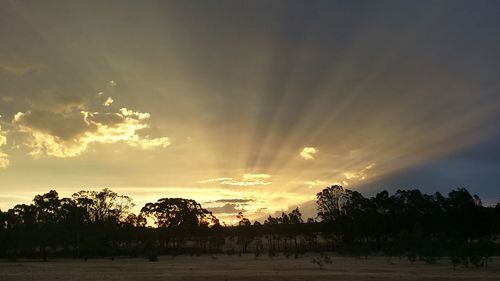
<point>308,153</point>
<point>108,101</point>
<point>316,183</point>
<point>69,132</point>
<point>246,180</point>
<point>4,161</point>
<point>359,175</point>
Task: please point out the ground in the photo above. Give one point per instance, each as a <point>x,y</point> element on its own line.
<point>227,268</point>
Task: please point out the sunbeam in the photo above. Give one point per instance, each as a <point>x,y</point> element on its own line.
<point>265,102</point>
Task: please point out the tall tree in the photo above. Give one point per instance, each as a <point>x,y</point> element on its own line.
<point>330,202</point>
<point>104,206</point>
<point>170,212</point>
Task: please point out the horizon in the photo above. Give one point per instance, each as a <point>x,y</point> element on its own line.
<point>249,106</point>
<point>230,216</point>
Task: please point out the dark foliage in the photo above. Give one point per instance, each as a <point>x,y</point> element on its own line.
<point>409,224</point>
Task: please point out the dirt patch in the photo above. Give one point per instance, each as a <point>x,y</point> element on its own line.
<point>247,267</point>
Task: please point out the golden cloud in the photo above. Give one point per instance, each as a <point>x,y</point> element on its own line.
<point>347,178</point>
<point>4,161</point>
<point>316,183</point>
<point>108,101</point>
<point>215,180</point>
<point>308,153</point>
<point>359,175</point>
<point>246,180</point>
<point>68,134</point>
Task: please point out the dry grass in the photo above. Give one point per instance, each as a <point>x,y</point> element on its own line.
<point>221,268</point>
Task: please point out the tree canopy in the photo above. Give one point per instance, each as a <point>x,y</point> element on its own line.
<point>102,223</point>
<point>178,212</point>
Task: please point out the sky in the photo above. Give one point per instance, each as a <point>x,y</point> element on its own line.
<point>250,106</point>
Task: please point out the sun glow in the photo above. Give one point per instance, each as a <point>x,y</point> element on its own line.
<point>267,107</point>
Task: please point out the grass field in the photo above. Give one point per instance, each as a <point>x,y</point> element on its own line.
<point>241,268</point>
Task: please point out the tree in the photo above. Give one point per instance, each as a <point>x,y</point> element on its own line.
<point>170,212</point>
<point>271,221</point>
<point>406,223</point>
<point>245,233</point>
<point>134,220</point>
<point>467,215</point>
<point>103,206</point>
<point>295,217</point>
<point>47,207</point>
<point>242,221</point>
<point>331,201</point>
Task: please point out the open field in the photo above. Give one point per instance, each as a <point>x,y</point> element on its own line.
<point>241,268</point>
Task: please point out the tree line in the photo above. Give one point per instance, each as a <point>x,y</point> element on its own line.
<point>406,223</point>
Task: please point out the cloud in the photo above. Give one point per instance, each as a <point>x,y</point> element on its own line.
<point>227,209</point>
<point>346,178</point>
<point>255,177</point>
<point>112,83</point>
<point>108,101</point>
<point>57,103</point>
<point>130,113</point>
<point>239,201</point>
<point>308,153</point>
<point>316,183</point>
<point>359,175</point>
<point>246,180</point>
<point>4,161</point>
<point>215,180</point>
<point>59,125</point>
<point>323,184</point>
<point>67,131</point>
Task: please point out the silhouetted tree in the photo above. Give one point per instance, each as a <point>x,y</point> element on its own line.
<point>104,205</point>
<point>245,232</point>
<point>406,223</point>
<point>169,212</point>
<point>330,202</point>
<point>242,220</point>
